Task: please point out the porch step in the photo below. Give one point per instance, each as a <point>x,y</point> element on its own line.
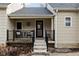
<point>39,38</point>
<point>40,47</point>
<point>40,50</point>
<point>40,54</point>
<point>39,44</point>
<point>39,41</point>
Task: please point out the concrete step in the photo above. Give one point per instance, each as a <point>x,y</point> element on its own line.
<point>40,38</point>
<point>40,54</point>
<point>40,47</point>
<point>39,44</point>
<point>40,51</point>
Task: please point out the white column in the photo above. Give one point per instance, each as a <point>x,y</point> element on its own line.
<point>55,22</point>
<point>3,26</point>
<point>52,28</point>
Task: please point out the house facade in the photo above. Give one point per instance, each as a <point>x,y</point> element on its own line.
<point>56,21</point>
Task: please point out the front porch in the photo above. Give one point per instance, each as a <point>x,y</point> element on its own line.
<point>28,32</point>
<point>32,26</point>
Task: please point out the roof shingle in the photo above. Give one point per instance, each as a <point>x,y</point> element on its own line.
<point>64,5</point>
<point>33,11</point>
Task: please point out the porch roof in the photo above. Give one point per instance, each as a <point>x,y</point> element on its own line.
<point>32,11</point>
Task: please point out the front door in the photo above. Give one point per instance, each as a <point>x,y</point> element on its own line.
<point>19,32</point>
<point>19,25</point>
<point>39,28</point>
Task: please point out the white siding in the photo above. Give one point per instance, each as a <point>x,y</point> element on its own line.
<point>67,37</point>
<point>3,25</point>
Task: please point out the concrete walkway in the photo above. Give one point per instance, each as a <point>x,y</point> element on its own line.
<point>64,54</point>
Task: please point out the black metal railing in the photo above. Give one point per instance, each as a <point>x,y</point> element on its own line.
<point>13,35</point>
<point>49,36</point>
<point>46,39</point>
<point>33,39</point>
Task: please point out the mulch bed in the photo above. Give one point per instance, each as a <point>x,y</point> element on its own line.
<point>15,51</point>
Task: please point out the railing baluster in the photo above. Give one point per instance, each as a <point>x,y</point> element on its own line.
<point>33,39</point>
<point>53,35</point>
<point>46,39</point>
<point>13,35</point>
<point>7,35</point>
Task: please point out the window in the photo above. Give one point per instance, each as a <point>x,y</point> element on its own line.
<point>68,21</point>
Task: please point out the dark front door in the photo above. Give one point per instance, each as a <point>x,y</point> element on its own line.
<point>39,28</point>
<point>19,25</point>
<point>18,31</point>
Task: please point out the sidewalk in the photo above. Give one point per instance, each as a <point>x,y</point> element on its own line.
<point>65,54</point>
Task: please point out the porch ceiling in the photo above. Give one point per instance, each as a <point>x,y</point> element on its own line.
<point>32,12</point>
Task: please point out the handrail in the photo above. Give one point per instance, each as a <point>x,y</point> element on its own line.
<point>46,39</point>
<point>49,36</point>
<point>33,39</point>
<point>7,35</point>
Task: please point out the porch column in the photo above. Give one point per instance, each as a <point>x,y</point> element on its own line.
<point>52,28</point>
<point>55,27</point>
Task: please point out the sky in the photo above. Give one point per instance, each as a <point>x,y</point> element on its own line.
<point>39,1</point>
<point>34,4</point>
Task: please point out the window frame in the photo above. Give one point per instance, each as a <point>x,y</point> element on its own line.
<point>66,21</point>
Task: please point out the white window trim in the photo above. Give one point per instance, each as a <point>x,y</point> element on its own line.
<point>65,21</point>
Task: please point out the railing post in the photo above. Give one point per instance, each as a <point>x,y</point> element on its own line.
<point>46,39</point>
<point>13,35</point>
<point>33,39</point>
<point>53,35</point>
<point>7,35</point>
